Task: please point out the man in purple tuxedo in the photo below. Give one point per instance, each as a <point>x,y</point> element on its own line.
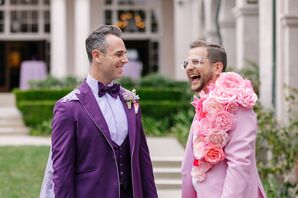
<point>99,148</point>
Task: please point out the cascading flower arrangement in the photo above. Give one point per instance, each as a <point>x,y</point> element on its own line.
<point>215,117</point>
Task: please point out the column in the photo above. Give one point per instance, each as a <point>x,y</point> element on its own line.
<point>286,58</point>
<point>247,37</point>
<point>183,35</point>
<point>228,30</point>
<point>58,38</point>
<point>266,52</point>
<point>82,30</point>
<point>211,33</point>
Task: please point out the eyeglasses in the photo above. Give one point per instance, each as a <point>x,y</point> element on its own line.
<point>195,62</point>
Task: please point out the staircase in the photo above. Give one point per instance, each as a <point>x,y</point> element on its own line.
<point>166,155</point>
<point>167,172</point>
<point>11,123</point>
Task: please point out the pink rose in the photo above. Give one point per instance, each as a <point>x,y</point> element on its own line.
<point>198,173</point>
<point>214,154</point>
<point>198,148</point>
<point>229,80</point>
<point>247,98</point>
<point>219,138</point>
<point>232,107</point>
<point>204,126</point>
<point>197,103</point>
<point>222,121</point>
<point>212,106</point>
<point>224,95</point>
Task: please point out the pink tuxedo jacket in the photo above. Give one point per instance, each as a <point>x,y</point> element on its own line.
<point>237,175</point>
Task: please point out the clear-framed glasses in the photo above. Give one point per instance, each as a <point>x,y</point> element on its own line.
<point>194,62</point>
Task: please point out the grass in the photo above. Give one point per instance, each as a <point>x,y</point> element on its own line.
<point>21,170</point>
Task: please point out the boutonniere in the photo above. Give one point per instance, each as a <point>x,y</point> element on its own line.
<point>131,98</point>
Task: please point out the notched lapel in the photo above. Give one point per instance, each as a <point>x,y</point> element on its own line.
<point>88,101</point>
<point>131,121</point>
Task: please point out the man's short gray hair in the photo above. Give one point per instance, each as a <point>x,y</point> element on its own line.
<point>97,39</point>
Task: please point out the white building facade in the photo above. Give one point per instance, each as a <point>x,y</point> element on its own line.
<point>261,32</point>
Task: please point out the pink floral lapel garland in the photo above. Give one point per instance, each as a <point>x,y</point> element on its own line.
<point>215,117</point>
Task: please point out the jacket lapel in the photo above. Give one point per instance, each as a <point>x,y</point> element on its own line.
<point>131,121</point>
<point>88,101</point>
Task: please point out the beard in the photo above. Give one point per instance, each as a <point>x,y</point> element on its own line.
<point>202,82</point>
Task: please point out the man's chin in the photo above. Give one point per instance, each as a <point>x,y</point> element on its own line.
<point>195,88</point>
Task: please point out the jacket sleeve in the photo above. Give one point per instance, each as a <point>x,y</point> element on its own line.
<point>188,190</point>
<point>148,184</point>
<point>63,151</point>
<point>240,152</point>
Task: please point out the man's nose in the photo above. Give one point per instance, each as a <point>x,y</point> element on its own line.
<point>124,59</point>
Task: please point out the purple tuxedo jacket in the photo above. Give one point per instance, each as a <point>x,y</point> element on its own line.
<point>84,160</point>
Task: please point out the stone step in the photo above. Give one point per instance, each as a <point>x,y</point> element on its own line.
<point>6,122</point>
<point>169,193</point>
<point>168,184</point>
<point>167,173</point>
<point>14,130</point>
<point>10,112</point>
<point>7,99</point>
<point>164,162</point>
<point>22,140</point>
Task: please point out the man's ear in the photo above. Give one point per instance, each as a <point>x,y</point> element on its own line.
<point>96,56</point>
<point>218,67</point>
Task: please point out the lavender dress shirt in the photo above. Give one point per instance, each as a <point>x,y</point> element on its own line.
<point>113,112</point>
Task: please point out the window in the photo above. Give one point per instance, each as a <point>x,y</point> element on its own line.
<point>131,20</point>
<point>25,16</point>
<point>23,2</point>
<point>133,16</point>
<point>1,21</point>
<point>47,25</point>
<point>24,21</point>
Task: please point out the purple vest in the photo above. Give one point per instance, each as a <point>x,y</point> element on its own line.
<point>123,162</point>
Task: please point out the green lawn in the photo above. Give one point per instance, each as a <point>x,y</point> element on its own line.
<point>21,170</point>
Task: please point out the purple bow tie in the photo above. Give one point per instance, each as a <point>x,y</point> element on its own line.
<point>112,90</point>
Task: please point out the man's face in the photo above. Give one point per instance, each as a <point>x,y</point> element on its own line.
<point>113,60</point>
<point>199,69</point>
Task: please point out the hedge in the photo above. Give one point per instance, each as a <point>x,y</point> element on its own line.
<point>34,112</point>
<point>146,93</point>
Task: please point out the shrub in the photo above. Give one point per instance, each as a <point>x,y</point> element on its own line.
<point>54,83</point>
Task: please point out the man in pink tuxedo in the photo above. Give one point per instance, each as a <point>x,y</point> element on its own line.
<point>219,160</point>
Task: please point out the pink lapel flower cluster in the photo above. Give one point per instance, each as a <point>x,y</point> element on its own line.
<point>215,117</point>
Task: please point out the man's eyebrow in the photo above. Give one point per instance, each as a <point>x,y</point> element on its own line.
<point>120,52</point>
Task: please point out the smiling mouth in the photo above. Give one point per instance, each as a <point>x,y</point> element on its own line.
<point>195,78</point>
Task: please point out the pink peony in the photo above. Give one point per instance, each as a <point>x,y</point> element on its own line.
<point>222,121</point>
<point>229,80</point>
<point>247,98</point>
<point>204,126</point>
<point>198,148</point>
<point>214,154</point>
<point>223,95</point>
<point>198,173</point>
<point>212,106</point>
<point>219,138</point>
<point>232,107</point>
<point>198,105</point>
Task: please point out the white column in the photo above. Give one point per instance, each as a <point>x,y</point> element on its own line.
<point>228,30</point>
<point>266,52</point>
<point>247,37</point>
<point>183,34</point>
<point>58,38</point>
<point>210,21</point>
<point>82,30</point>
<point>287,57</point>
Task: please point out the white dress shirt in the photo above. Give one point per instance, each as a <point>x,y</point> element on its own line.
<point>113,112</point>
